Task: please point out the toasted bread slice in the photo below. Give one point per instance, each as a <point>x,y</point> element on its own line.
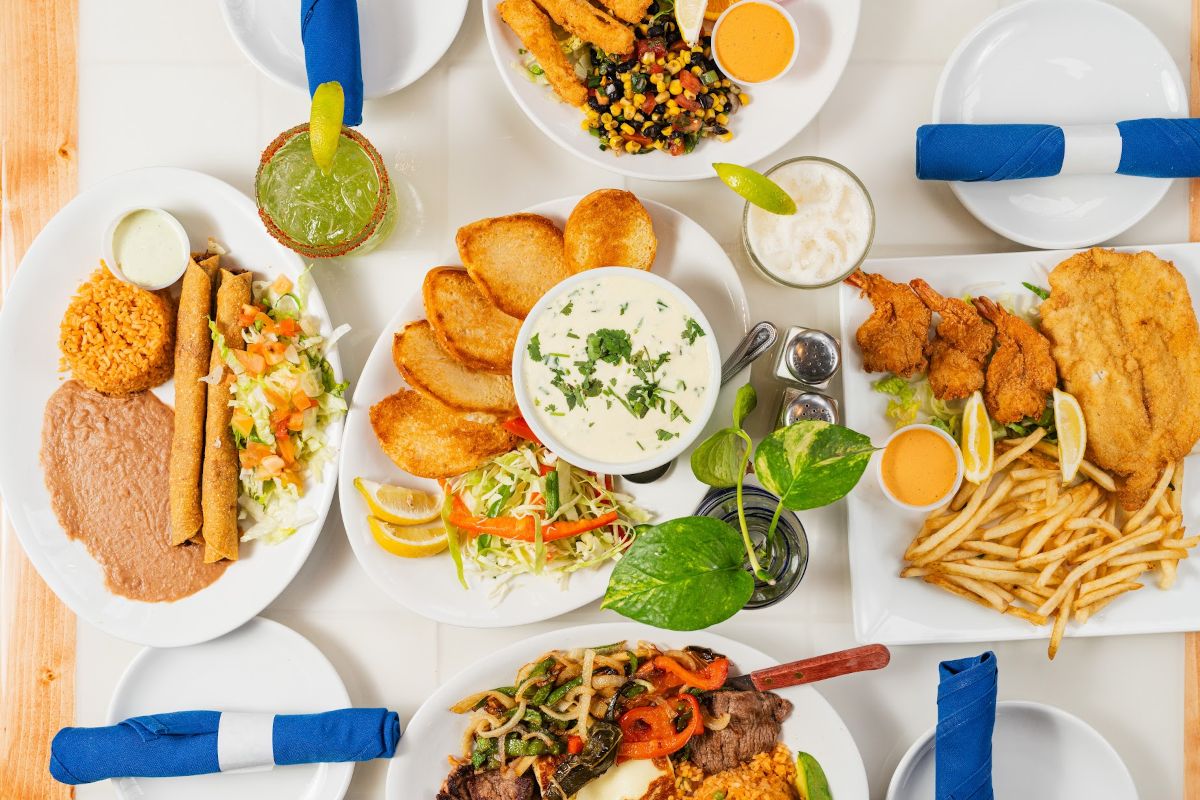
<point>513,259</point>
<point>426,439</point>
<point>432,371</point>
<point>466,324</point>
<point>610,228</point>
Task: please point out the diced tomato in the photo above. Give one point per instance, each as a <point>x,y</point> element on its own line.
<point>574,745</point>
<point>253,454</point>
<point>645,141</point>
<point>276,400</point>
<point>281,285</point>
<point>648,104</point>
<point>242,422</point>
<point>689,81</point>
<point>656,69</point>
<point>251,362</point>
<point>301,401</point>
<point>656,45</point>
<point>678,45</point>
<point>248,315</point>
<point>287,449</point>
<point>272,465</point>
<point>687,103</point>
<point>676,148</point>
<point>296,421</point>
<point>287,327</point>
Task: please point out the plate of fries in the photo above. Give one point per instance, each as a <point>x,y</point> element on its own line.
<point>1023,554</point>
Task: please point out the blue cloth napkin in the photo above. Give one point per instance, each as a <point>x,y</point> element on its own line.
<point>966,716</point>
<point>329,30</point>
<point>1152,148</point>
<point>186,743</point>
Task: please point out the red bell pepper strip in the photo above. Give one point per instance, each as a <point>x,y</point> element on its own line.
<point>519,427</point>
<point>659,747</point>
<point>521,529</point>
<point>711,677</point>
<point>574,745</point>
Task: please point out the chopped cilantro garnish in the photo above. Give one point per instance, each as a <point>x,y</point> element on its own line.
<point>535,348</point>
<point>692,331</point>
<point>568,308</point>
<point>665,436</point>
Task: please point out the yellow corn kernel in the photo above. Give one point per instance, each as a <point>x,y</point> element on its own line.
<point>672,106</point>
<point>725,137</point>
<point>626,128</point>
<point>660,61</point>
<point>639,98</point>
<point>689,94</point>
<point>676,87</point>
<point>632,147</point>
<point>745,98</point>
<point>614,142</point>
<point>686,56</point>
<point>724,83</point>
<point>709,114</point>
<point>722,119</point>
<point>606,117</point>
<point>674,68</point>
<point>647,58</point>
<point>585,124</point>
<point>662,97</point>
<point>667,131</point>
<point>697,71</point>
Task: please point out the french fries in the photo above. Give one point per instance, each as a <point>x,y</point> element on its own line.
<point>1024,544</point>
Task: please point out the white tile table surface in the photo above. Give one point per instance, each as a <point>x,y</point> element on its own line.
<point>162,83</point>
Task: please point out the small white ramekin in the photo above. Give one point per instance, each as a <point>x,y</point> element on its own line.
<point>958,477</point>
<point>791,24</point>
<point>110,258</point>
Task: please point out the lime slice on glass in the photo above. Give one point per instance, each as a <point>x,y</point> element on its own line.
<point>689,16</point>
<point>756,188</point>
<point>325,123</point>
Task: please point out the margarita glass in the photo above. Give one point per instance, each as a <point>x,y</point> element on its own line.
<point>350,210</point>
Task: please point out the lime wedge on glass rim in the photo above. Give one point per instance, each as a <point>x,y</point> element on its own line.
<point>325,123</point>
<point>756,188</point>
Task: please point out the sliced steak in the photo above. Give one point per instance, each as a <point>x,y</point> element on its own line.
<point>463,783</point>
<point>754,721</point>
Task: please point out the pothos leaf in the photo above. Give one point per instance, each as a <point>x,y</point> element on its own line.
<point>743,404</point>
<point>682,575</point>
<point>812,463</point>
<point>718,460</point>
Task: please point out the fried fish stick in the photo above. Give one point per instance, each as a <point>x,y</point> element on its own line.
<point>628,10</point>
<point>590,24</point>
<point>532,27</point>
<point>193,346</point>
<point>219,483</point>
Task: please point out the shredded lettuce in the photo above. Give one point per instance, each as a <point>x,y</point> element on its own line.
<point>517,484</point>
<point>282,447</point>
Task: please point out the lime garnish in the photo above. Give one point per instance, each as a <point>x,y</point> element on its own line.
<point>325,123</point>
<point>756,188</point>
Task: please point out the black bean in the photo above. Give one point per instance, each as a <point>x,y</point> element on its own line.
<point>594,104</point>
<point>705,100</point>
<point>625,66</point>
<point>654,30</point>
<point>613,91</point>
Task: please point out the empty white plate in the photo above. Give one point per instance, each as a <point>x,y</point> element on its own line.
<point>1038,751</point>
<point>401,40</point>
<point>262,666</point>
<point>1060,62</point>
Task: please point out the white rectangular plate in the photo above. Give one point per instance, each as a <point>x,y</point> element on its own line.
<point>895,610</point>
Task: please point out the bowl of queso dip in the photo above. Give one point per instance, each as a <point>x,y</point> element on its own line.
<point>616,370</point>
<point>921,467</point>
<point>826,239</point>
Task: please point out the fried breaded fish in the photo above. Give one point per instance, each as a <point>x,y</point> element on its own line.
<point>628,10</point>
<point>532,27</point>
<point>1124,335</point>
<point>590,24</point>
<point>426,439</point>
<point>893,338</point>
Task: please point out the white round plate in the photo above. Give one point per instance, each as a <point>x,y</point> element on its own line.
<point>1060,62</point>
<point>261,667</point>
<point>689,258</point>
<point>777,111</point>
<point>60,258</point>
<point>420,765</point>
<point>1037,751</point>
<point>400,40</point>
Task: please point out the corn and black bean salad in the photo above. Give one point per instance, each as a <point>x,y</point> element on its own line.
<point>664,96</point>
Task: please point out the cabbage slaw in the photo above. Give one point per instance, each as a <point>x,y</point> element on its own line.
<point>284,394</point>
<point>531,482</point>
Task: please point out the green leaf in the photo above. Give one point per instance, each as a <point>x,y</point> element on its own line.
<point>682,575</point>
<point>745,402</point>
<point>811,463</point>
<point>719,458</point>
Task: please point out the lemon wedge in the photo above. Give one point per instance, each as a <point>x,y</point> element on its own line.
<point>689,16</point>
<point>977,448</point>
<point>325,123</point>
<point>1072,433</point>
<point>408,541</point>
<point>397,504</point>
<point>716,8</point>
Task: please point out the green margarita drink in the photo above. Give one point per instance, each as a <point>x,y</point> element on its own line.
<point>349,209</point>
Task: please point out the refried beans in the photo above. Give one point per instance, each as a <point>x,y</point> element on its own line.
<point>105,461</point>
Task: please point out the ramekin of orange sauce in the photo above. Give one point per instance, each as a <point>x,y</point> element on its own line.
<point>755,41</point>
<point>921,467</point>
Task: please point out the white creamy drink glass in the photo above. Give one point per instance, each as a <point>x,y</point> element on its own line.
<point>826,239</point>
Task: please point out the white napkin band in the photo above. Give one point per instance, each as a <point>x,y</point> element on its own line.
<point>245,741</point>
<point>1090,149</point>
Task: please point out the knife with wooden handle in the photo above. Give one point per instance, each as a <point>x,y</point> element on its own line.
<point>811,670</point>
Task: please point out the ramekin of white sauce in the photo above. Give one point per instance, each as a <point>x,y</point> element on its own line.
<point>826,239</point>
<point>146,247</point>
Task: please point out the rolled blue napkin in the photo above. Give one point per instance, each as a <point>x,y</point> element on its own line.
<point>329,30</point>
<point>1151,148</point>
<point>200,742</point>
<point>966,717</point>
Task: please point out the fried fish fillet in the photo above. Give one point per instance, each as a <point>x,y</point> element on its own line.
<point>1124,335</point>
<point>590,24</point>
<point>426,439</point>
<point>532,27</point>
<point>628,10</point>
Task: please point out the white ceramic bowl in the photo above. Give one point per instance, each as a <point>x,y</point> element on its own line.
<point>564,449</point>
<point>958,476</point>
<point>110,258</point>
<point>791,21</point>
